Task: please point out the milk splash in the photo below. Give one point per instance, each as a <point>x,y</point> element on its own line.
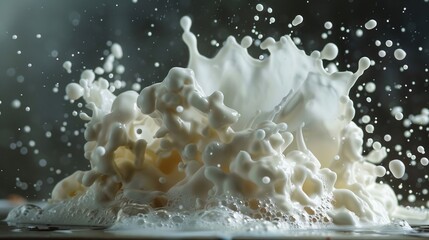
<point>229,143</point>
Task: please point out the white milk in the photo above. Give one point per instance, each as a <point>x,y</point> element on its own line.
<point>230,143</point>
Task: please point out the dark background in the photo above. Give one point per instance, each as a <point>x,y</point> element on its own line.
<point>79,31</point>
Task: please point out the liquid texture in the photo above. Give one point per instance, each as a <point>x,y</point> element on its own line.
<point>229,143</point>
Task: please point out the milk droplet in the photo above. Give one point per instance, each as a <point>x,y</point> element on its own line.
<point>369,128</point>
<point>399,116</point>
<point>399,54</point>
<point>15,103</point>
<point>259,7</point>
<point>117,51</point>
<point>328,25</point>
<point>370,87</point>
<point>389,43</point>
<point>297,20</point>
<point>359,33</point>
<point>120,69</point>
<point>397,168</point>
<point>329,52</point>
<point>366,119</point>
<point>387,138</point>
<point>424,161</point>
<point>370,24</point>
<point>67,66</point>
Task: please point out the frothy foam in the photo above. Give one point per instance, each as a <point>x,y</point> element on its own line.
<point>260,144</point>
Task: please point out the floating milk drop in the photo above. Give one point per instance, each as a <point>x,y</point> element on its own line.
<point>369,128</point>
<point>399,116</point>
<point>370,24</point>
<point>397,168</point>
<point>259,7</point>
<point>67,66</point>
<point>359,32</point>
<point>108,64</point>
<point>370,87</point>
<point>399,54</point>
<point>15,103</point>
<point>328,25</point>
<point>297,20</point>
<point>389,43</point>
<point>116,50</point>
<point>366,119</point>
<point>424,161</point>
<point>387,137</point>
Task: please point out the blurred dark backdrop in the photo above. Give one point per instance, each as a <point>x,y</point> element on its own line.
<point>41,141</point>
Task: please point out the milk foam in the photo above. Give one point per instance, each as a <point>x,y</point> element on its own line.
<point>254,144</point>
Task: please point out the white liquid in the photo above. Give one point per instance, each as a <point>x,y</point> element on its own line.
<point>399,54</point>
<point>209,149</point>
<point>297,20</point>
<point>397,168</point>
<point>67,66</point>
<point>371,24</point>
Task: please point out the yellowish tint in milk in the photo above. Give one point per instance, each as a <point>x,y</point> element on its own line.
<point>229,142</point>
